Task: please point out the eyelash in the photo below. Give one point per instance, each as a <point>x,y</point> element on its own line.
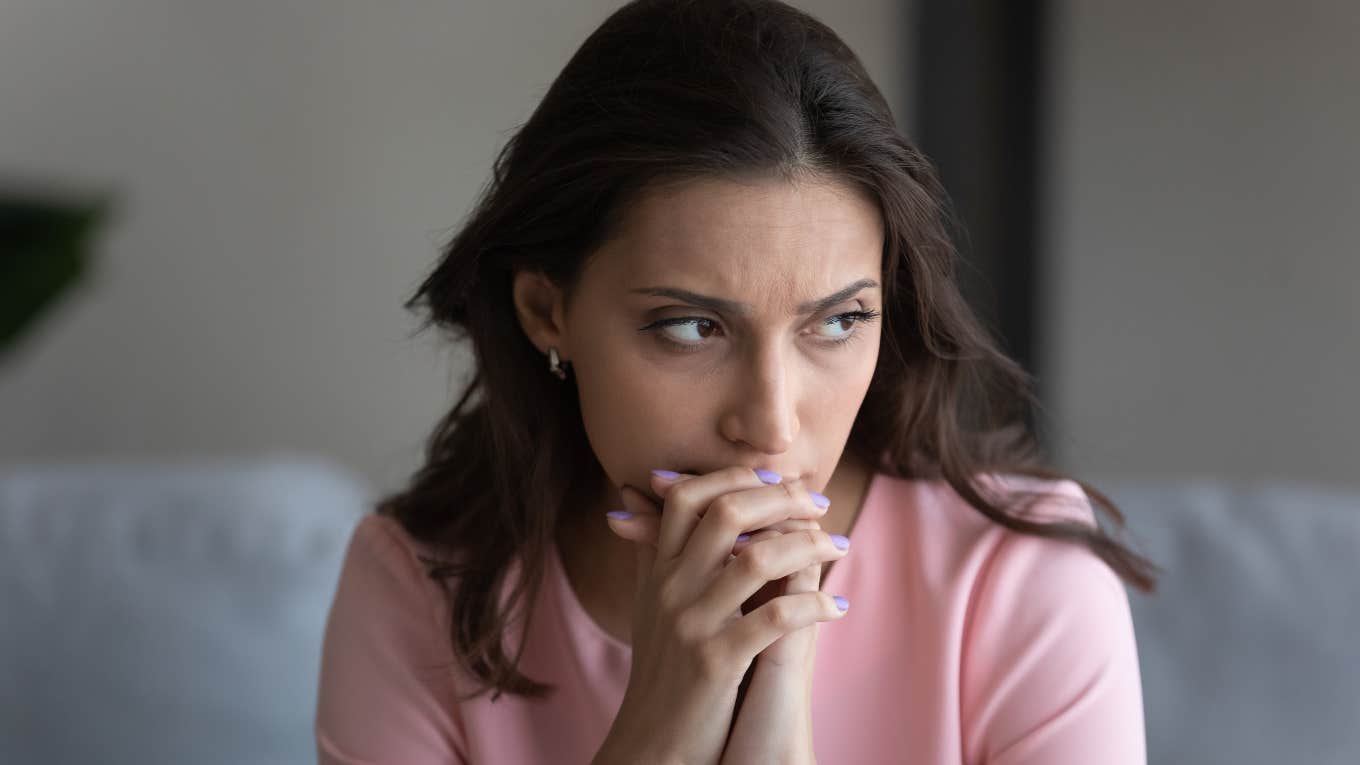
<point>859,317</point>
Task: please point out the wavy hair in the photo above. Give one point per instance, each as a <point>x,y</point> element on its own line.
<point>664,91</point>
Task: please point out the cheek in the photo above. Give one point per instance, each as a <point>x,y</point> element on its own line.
<point>840,387</point>
<point>636,420</point>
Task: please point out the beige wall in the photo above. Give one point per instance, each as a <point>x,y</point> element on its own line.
<point>286,173</point>
<point>286,177</point>
<point>1205,312</point>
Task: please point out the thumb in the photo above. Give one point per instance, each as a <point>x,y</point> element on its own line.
<point>643,528</point>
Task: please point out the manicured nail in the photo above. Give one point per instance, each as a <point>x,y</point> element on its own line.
<point>669,475</point>
<point>743,537</point>
<point>841,603</point>
<point>841,543</point>
<point>768,476</point>
<point>620,514</point>
<point>820,500</point>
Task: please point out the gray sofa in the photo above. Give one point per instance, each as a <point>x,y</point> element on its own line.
<point>172,613</point>
<point>167,613</point>
<point>1249,652</point>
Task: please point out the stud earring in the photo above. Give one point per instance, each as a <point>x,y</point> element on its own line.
<point>557,365</point>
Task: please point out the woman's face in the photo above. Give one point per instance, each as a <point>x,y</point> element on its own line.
<point>721,326</point>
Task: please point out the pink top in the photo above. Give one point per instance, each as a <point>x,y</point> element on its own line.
<point>965,643</point>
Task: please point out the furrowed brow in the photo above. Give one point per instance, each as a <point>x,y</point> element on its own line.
<point>722,305</point>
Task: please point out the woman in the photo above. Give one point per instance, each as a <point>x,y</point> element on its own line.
<point>710,292</point>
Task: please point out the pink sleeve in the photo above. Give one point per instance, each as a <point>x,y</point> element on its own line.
<point>385,694</point>
<point>1050,664</point>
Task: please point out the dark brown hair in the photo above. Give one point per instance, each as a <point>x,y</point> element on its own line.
<point>662,91</point>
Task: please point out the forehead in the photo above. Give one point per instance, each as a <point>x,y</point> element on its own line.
<point>772,238</point>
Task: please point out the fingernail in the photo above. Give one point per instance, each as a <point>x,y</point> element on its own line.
<point>841,603</point>
<point>669,475</point>
<point>768,476</point>
<point>743,537</point>
<point>820,500</point>
<point>620,514</point>
<point>841,543</point>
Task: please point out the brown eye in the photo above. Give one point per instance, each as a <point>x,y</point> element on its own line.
<point>690,332</point>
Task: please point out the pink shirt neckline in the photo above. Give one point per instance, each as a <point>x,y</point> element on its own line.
<point>577,613</point>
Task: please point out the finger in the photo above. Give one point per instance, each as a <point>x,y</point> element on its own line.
<point>637,527</point>
<point>752,538</point>
<point>791,524</point>
<point>734,513</point>
<point>640,505</point>
<point>748,636</point>
<point>660,482</point>
<point>805,579</point>
<point>782,555</point>
<point>685,501</point>
<point>645,528</point>
<point>755,536</point>
<point>646,559</point>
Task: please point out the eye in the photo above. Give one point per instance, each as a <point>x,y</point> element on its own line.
<point>690,333</point>
<point>855,318</point>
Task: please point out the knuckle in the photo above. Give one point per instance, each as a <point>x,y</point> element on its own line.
<point>755,561</point>
<point>726,511</point>
<point>796,524</point>
<point>681,494</point>
<point>737,473</point>
<point>779,614</point>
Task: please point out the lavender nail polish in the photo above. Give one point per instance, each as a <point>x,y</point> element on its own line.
<point>620,514</point>
<point>743,537</point>
<point>841,603</point>
<point>768,476</point>
<point>667,474</point>
<point>841,543</point>
<point>820,500</point>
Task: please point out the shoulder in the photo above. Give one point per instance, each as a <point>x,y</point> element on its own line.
<point>1012,577</point>
<point>384,593</point>
<point>380,544</point>
<point>957,541</point>
<point>386,589</point>
<point>1048,655</point>
<point>1051,572</point>
<point>387,669</point>
<point>998,578</point>
<point>1040,499</point>
<point>1026,586</point>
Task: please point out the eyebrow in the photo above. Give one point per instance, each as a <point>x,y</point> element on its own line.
<point>723,305</point>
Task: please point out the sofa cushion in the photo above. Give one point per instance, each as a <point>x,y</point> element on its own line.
<point>1248,651</point>
<point>167,612</point>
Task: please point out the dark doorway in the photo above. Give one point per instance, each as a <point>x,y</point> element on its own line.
<point>978,104</point>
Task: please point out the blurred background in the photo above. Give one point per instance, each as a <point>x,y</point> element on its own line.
<point>1162,216</point>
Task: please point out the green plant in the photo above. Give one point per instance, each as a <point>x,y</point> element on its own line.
<point>45,246</point>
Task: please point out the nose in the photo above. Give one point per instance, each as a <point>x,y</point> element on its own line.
<point>764,411</point>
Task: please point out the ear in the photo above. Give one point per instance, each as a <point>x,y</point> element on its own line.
<point>539,307</point>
